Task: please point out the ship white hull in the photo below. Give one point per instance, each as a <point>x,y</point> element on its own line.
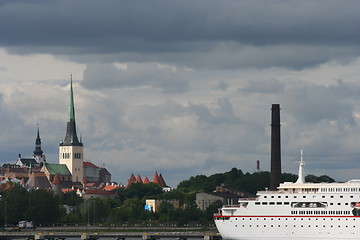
<point>275,228</point>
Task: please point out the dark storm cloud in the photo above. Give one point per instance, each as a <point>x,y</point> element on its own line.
<point>311,103</point>
<point>136,75</point>
<point>180,31</point>
<point>263,86</point>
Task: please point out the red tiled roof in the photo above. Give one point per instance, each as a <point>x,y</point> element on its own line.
<point>131,180</point>
<point>162,181</point>
<point>156,178</point>
<point>146,180</point>
<point>138,178</point>
<point>56,180</point>
<point>89,165</point>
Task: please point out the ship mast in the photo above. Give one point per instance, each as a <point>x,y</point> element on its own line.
<point>301,178</point>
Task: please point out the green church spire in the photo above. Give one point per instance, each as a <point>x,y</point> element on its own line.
<point>71,138</point>
<point>71,104</point>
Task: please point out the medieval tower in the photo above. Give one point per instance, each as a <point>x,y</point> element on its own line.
<point>71,150</point>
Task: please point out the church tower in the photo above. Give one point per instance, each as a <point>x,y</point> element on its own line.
<point>38,153</point>
<point>71,149</point>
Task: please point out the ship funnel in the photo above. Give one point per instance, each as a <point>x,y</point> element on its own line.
<point>275,176</point>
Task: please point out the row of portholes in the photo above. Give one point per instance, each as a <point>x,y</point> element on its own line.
<point>297,218</point>
<point>281,226</point>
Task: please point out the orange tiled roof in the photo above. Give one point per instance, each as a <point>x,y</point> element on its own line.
<point>110,187</point>
<point>66,190</point>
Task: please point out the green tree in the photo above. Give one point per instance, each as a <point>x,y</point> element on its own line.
<point>43,207</point>
<point>71,199</point>
<point>14,203</point>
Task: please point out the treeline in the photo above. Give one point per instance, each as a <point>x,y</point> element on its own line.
<point>44,207</point>
<point>236,179</point>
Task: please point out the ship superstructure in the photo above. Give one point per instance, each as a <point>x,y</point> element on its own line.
<point>299,210</point>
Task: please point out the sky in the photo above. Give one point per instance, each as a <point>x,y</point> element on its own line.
<point>185,87</point>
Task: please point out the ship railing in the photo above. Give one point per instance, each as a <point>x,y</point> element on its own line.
<point>232,206</point>
<point>248,199</point>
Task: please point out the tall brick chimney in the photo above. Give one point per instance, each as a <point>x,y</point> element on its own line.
<point>275,175</point>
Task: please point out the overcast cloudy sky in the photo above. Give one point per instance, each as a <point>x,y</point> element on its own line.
<point>184,87</point>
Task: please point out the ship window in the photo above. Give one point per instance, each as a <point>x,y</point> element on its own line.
<point>286,196</point>
<point>304,196</point>
<point>279,203</point>
<point>257,203</point>
<point>341,196</point>
<point>323,196</point>
<point>339,203</point>
<point>272,203</point>
<point>265,196</point>
<point>286,203</point>
<point>264,203</point>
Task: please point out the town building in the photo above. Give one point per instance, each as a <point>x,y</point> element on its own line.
<point>222,193</point>
<point>153,204</point>
<point>72,172</point>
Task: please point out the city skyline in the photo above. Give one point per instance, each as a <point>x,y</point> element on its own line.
<point>184,88</point>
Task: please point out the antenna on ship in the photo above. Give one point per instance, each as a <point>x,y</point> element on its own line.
<point>301,178</point>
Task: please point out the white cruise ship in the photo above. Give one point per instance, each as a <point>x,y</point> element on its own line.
<point>299,210</point>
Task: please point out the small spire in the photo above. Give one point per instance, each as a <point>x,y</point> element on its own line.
<point>301,178</point>
<point>71,104</point>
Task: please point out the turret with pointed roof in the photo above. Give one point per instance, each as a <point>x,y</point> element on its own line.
<point>131,180</point>
<point>156,178</point>
<point>146,180</point>
<point>162,181</point>
<point>138,179</point>
<point>38,153</point>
